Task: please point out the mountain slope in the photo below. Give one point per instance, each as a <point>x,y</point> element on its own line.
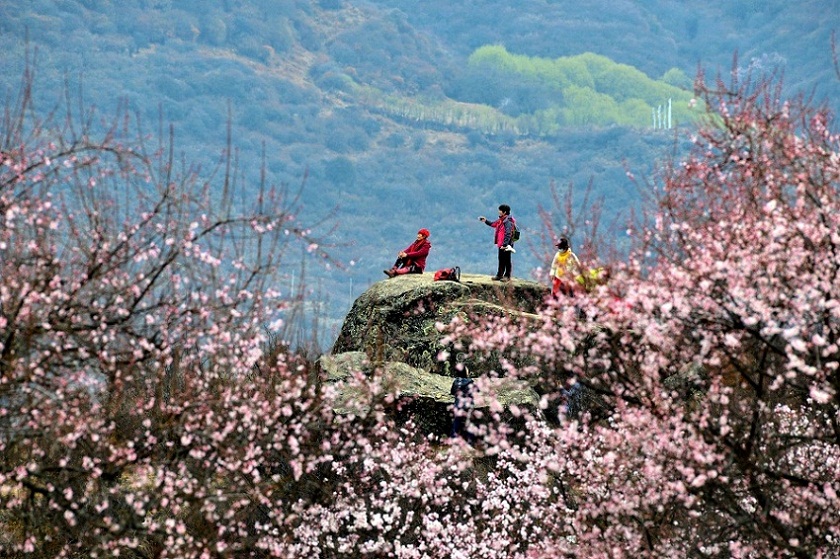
<point>365,103</point>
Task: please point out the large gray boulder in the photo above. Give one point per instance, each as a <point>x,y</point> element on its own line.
<point>396,319</point>
<point>424,396</point>
<point>393,330</point>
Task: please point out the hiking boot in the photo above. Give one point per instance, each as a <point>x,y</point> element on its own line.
<point>496,278</point>
<point>389,273</point>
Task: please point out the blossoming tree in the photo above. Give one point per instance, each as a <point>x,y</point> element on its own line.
<point>143,412</point>
<point>707,368</point>
<point>142,409</point>
<point>698,388</point>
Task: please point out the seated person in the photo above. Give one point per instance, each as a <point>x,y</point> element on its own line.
<point>412,260</point>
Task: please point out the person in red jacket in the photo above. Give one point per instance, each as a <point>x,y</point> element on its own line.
<point>503,239</point>
<point>412,260</point>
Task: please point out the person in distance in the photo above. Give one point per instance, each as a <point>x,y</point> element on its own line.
<point>504,227</point>
<point>412,260</point>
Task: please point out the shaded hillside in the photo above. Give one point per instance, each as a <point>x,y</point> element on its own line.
<point>372,108</point>
<point>651,36</point>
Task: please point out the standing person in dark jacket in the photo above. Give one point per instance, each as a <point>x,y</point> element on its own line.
<point>502,239</point>
<point>463,390</point>
<point>412,260</point>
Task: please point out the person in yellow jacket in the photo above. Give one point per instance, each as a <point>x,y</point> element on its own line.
<point>564,269</point>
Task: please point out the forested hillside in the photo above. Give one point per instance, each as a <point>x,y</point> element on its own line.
<point>394,115</point>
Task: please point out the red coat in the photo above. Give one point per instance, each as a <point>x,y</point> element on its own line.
<point>504,230</point>
<point>417,252</point>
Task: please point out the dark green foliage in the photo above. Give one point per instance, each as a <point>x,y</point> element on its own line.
<point>334,81</point>
<point>396,140</point>
<point>340,171</point>
<point>308,36</point>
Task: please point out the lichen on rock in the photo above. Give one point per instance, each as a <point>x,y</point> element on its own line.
<point>392,330</point>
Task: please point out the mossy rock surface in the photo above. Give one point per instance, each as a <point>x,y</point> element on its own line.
<point>396,319</point>
<point>393,330</point>
<point>426,397</point>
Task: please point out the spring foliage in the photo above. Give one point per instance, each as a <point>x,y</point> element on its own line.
<point>144,414</point>
<point>586,89</point>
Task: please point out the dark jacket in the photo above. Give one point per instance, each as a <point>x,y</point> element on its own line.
<point>463,390</point>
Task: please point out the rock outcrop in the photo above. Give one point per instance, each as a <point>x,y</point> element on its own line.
<point>425,397</point>
<point>395,320</point>
<point>393,328</point>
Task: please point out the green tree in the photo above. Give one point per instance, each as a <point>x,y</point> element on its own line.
<point>583,106</point>
<point>340,171</point>
<point>214,30</point>
<point>677,78</point>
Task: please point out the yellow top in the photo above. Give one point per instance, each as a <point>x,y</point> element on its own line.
<point>565,265</point>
